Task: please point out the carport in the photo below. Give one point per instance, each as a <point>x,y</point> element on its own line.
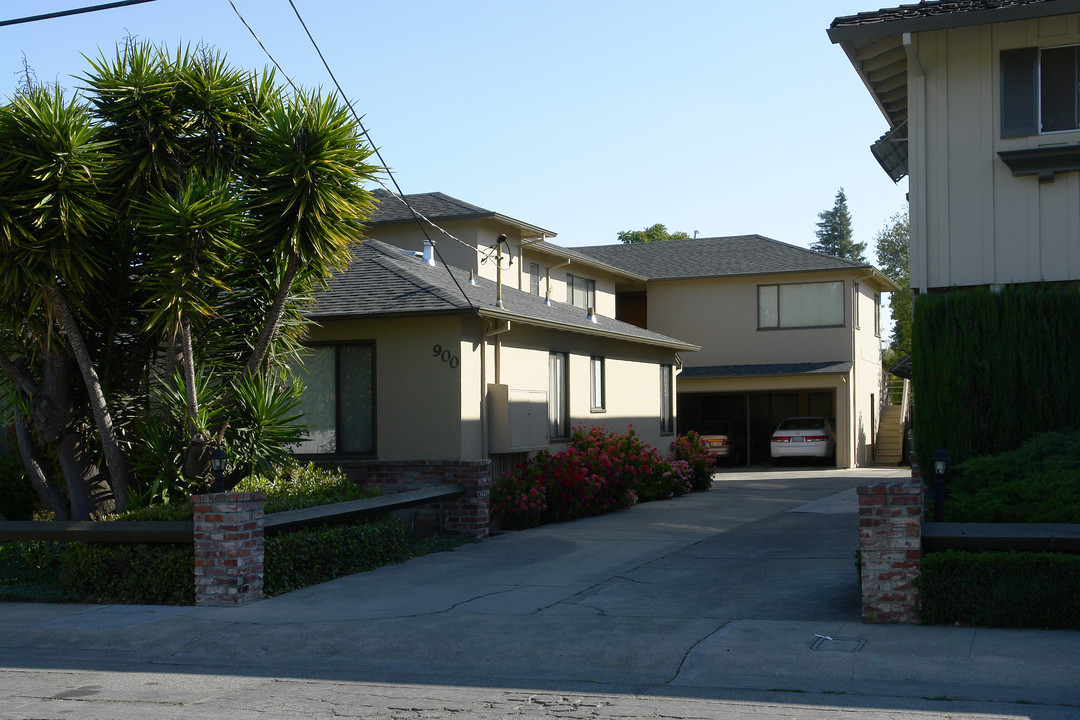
<point>749,401</point>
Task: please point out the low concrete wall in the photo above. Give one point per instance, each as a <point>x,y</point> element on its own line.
<point>890,544</point>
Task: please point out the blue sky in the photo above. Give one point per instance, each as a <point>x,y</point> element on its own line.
<point>584,117</point>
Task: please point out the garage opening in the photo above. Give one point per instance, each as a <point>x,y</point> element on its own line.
<point>750,417</point>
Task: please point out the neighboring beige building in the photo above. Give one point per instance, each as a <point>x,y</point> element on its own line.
<point>983,102</point>
<point>783,331</point>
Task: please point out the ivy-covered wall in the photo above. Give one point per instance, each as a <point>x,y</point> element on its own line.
<point>990,369</point>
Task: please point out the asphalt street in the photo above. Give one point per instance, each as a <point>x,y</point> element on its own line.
<point>739,602</point>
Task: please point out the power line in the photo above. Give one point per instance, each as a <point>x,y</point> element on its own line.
<point>76,11</point>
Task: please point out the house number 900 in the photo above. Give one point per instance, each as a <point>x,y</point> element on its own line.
<point>446,356</point>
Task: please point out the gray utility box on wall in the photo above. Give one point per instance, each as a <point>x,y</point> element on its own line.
<point>517,419</point>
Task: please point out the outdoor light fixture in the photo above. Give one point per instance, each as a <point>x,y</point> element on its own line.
<point>217,462</point>
<point>941,462</point>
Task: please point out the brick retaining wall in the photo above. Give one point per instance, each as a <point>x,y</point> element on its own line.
<point>890,544</point>
<point>469,515</point>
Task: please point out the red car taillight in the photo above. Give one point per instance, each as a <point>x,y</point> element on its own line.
<point>816,438</point>
<point>781,438</point>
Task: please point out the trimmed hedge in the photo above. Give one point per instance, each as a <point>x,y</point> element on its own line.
<point>138,574</point>
<point>1000,589</point>
<point>993,369</point>
<point>1037,483</point>
<point>310,556</point>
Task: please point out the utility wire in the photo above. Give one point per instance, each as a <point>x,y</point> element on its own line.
<point>258,40</point>
<point>382,162</point>
<point>75,11</point>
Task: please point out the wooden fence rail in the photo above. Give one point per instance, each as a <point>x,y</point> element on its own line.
<point>181,531</point>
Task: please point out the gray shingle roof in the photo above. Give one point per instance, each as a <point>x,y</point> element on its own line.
<point>383,280</point>
<point>806,368</point>
<point>714,257</point>
<point>434,206</point>
<point>438,206</point>
<point>934,14</point>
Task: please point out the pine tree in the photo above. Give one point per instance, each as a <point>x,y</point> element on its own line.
<point>834,232</point>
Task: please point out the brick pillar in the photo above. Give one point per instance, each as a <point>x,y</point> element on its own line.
<point>471,514</point>
<point>228,547</point>
<point>890,544</point>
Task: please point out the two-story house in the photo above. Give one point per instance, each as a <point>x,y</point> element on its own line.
<point>783,331</point>
<point>416,360</point>
<point>982,100</point>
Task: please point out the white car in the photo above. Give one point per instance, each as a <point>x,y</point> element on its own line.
<point>810,437</point>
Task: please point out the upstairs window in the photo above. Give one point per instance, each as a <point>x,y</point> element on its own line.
<point>1040,90</point>
<point>801,305</point>
<point>580,292</point>
<point>534,278</point>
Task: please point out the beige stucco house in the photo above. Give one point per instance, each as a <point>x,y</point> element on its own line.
<point>413,360</point>
<point>783,331</point>
<point>983,105</point>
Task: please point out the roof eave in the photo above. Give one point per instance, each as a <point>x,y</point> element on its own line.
<point>671,343</point>
<point>869,31</point>
<point>582,259</point>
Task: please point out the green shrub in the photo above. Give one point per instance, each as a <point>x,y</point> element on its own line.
<point>305,557</point>
<point>28,571</point>
<point>141,574</point>
<point>1039,482</point>
<point>993,369</point>
<point>17,496</point>
<point>1000,589</point>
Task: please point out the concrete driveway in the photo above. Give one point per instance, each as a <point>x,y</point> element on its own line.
<point>751,585</point>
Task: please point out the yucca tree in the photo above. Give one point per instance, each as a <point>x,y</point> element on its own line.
<point>306,168</point>
<point>177,216</point>
<point>54,168</point>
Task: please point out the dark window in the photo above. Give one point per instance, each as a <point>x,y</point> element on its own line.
<point>339,399</point>
<point>580,292</point>
<point>558,395</point>
<point>667,399</point>
<point>534,278</point>
<point>1040,90</point>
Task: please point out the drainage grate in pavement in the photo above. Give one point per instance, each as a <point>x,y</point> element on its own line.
<point>831,644</point>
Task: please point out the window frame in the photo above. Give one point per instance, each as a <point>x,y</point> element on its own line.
<point>597,384</point>
<point>337,346</point>
<point>1022,90</point>
<point>534,278</point>
<point>589,291</point>
<point>779,311</point>
<point>877,314</point>
<point>667,399</point>
<point>559,418</point>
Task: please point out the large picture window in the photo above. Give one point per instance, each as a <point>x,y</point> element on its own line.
<point>1039,90</point>
<point>559,396</point>
<point>801,305</point>
<point>339,399</point>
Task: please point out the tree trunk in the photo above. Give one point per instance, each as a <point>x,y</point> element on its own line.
<point>189,376</point>
<point>274,317</point>
<point>110,446</point>
<point>50,495</point>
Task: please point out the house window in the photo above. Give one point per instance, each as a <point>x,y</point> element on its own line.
<point>558,396</point>
<point>877,314</point>
<point>339,399</point>
<point>596,366</point>
<point>667,399</point>
<point>1039,90</point>
<point>534,278</point>
<point>855,302</point>
<point>801,305</point>
<point>580,292</point>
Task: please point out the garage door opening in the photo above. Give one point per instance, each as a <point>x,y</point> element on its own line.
<point>750,417</point>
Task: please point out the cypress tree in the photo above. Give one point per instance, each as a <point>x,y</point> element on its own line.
<point>834,235</point>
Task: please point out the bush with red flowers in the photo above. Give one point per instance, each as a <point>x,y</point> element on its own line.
<point>599,472</point>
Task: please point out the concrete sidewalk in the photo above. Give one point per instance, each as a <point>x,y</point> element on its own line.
<point>750,586</point>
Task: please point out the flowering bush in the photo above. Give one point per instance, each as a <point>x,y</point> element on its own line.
<point>691,449</point>
<point>599,472</point>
